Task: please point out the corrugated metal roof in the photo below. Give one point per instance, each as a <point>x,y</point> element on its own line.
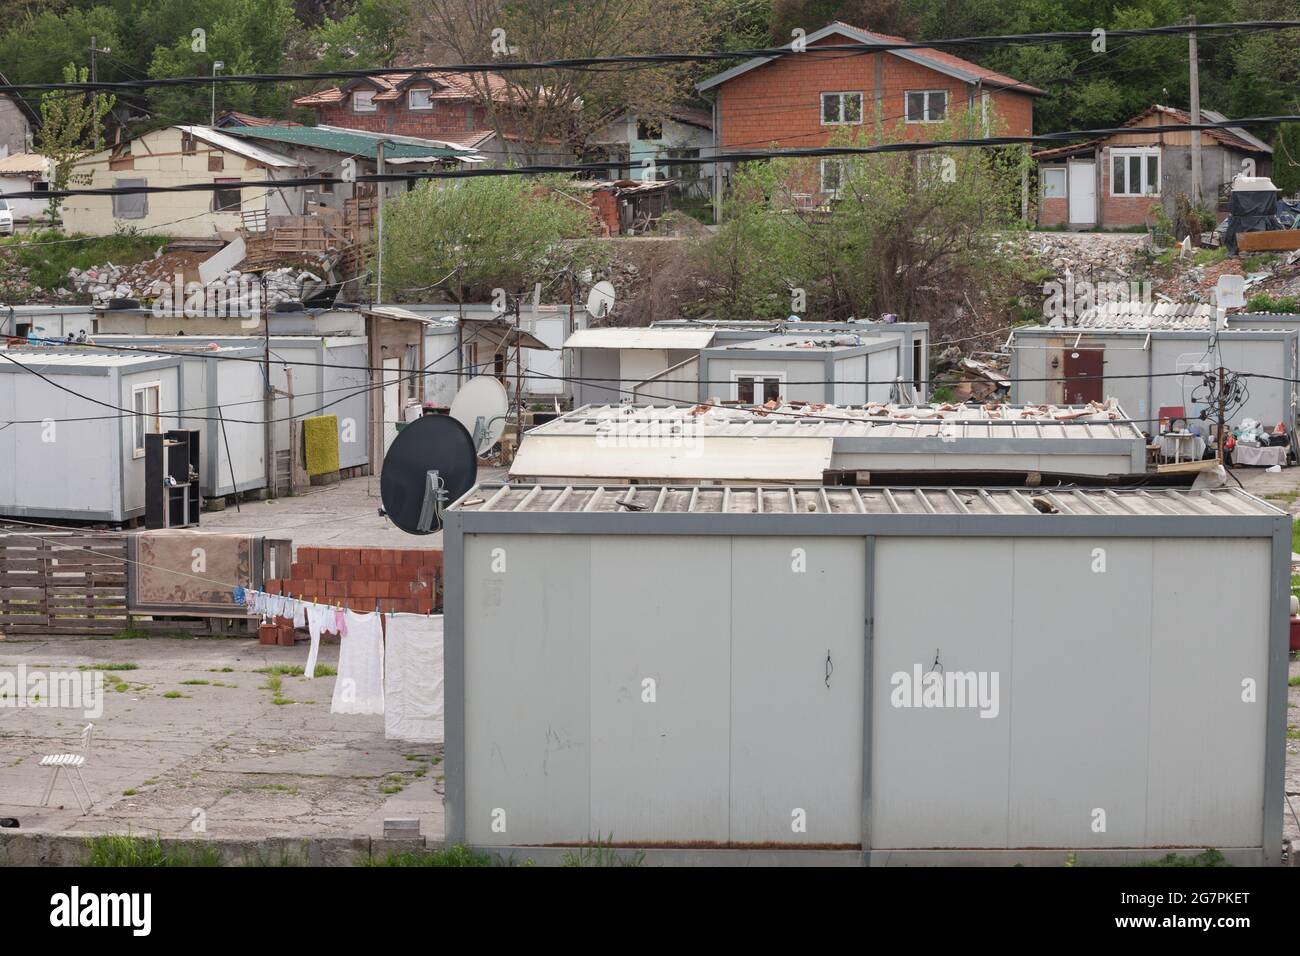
<point>497,497</point>
<point>844,421</point>
<point>1149,315</point>
<point>23,163</point>
<point>252,151</point>
<point>41,358</point>
<point>352,142</point>
<point>639,338</point>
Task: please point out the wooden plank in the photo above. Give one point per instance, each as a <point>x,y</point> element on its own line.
<point>1269,240</point>
<point>1188,467</point>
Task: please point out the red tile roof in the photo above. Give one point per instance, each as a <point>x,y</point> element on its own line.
<point>390,86</point>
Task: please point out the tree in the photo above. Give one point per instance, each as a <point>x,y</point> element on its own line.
<point>880,16</point>
<point>480,234</point>
<point>556,111</point>
<point>70,123</point>
<point>372,35</point>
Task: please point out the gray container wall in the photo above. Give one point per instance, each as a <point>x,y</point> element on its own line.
<point>760,718</point>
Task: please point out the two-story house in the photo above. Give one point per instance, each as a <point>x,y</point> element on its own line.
<point>802,97</point>
<point>431,105</point>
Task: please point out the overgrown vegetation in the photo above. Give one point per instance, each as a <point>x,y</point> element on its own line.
<point>124,849</point>
<point>49,257</point>
<point>452,856</point>
<point>1207,858</point>
<point>1269,303</point>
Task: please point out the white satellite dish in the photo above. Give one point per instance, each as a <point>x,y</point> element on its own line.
<point>600,300</point>
<point>481,406</point>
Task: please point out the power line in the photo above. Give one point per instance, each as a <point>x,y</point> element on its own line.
<point>730,157</point>
<point>509,66</point>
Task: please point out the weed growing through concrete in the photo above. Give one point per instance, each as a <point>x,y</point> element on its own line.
<point>174,694</point>
<point>124,849</point>
<point>109,666</point>
<point>194,683</point>
<point>452,856</point>
<point>601,853</point>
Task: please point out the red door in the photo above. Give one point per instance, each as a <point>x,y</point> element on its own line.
<point>1083,376</point>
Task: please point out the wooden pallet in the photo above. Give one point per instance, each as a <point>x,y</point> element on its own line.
<point>62,582</point>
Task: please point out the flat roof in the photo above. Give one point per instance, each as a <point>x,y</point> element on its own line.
<point>639,338</point>
<point>810,344</point>
<point>632,501</point>
<point>87,358</point>
<point>940,421</point>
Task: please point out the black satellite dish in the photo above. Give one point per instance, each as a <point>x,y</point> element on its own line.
<point>429,465</point>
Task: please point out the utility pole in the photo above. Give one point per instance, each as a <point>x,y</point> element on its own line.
<point>216,67</point>
<point>1195,83</point>
<point>379,213</point>
<point>1222,416</point>
<point>94,78</point>
<point>268,396</point>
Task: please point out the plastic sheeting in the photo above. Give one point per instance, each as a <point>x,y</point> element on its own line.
<point>413,694</point>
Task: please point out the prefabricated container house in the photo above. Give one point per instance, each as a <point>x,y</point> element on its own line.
<point>839,368</point>
<point>607,364</point>
<point>808,443</point>
<point>914,339</point>
<point>311,375</point>
<point>1147,369</point>
<point>887,676</point>
<point>68,454</point>
<point>46,322</point>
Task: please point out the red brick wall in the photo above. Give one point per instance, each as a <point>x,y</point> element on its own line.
<point>605,207</point>
<point>1053,212</point>
<point>394,117</point>
<point>1123,210</point>
<point>400,579</point>
<point>781,101</point>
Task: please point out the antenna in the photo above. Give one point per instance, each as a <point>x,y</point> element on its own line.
<point>600,300</point>
<point>481,406</point>
<point>429,465</point>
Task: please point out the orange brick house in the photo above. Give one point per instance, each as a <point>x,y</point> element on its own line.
<point>428,105</point>
<point>801,99</point>
<point>1123,180</point>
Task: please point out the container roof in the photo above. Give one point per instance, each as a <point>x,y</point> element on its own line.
<point>352,142</point>
<point>639,338</point>
<point>48,359</point>
<point>498,497</point>
<point>824,342</point>
<point>845,421</point>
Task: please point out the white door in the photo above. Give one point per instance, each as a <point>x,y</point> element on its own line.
<point>392,399</point>
<point>1083,194</point>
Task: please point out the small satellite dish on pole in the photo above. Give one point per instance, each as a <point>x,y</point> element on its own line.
<point>429,465</point>
<point>600,300</point>
<point>481,406</point>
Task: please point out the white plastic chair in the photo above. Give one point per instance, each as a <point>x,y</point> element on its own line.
<point>73,764</point>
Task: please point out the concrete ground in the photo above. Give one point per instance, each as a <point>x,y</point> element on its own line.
<point>341,515</point>
<point>220,750</point>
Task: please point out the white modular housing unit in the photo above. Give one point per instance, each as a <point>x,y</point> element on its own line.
<point>311,375</point>
<point>684,443</point>
<point>880,676</point>
<point>607,364</point>
<point>838,368</point>
<point>69,453</point>
<point>46,322</point>
<point>1147,369</point>
<point>913,338</point>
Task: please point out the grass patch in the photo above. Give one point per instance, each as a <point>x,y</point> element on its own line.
<point>49,264</point>
<point>108,666</point>
<point>123,849</point>
<point>1270,303</point>
<point>273,684</point>
<point>174,694</point>
<point>452,856</point>
<point>221,670</point>
<point>1294,681</point>
<point>601,853</point>
<point>280,788</point>
<point>295,670</point>
<point>1207,858</point>
<point>194,683</point>
<point>282,701</point>
<point>130,792</point>
<point>1292,732</point>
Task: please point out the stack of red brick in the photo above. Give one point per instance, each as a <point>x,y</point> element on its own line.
<point>397,579</point>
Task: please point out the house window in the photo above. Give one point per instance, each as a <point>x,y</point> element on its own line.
<point>1054,183</point>
<point>145,402</point>
<point>130,205</point>
<point>226,199</point>
<point>363,101</point>
<point>649,129</point>
<point>927,106</point>
<point>410,366</point>
<point>840,109</point>
<point>832,176</point>
<point>758,388</point>
<point>188,144</point>
<point>420,99</point>
<point>1135,172</point>
<point>216,161</point>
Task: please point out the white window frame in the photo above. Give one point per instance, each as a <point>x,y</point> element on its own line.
<point>139,419</point>
<point>1126,153</point>
<point>373,107</point>
<point>925,107</point>
<point>410,98</point>
<point>821,176</point>
<point>736,376</point>
<point>821,104</point>
<point>1065,181</point>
